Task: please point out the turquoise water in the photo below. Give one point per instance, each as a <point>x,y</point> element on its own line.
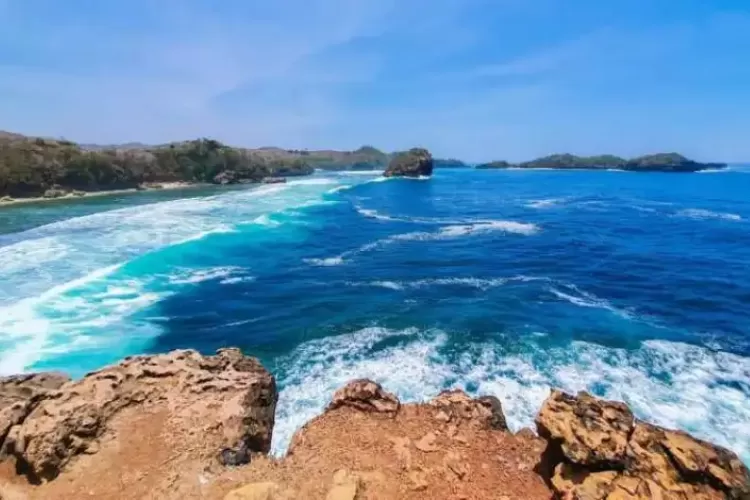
<point>632,286</point>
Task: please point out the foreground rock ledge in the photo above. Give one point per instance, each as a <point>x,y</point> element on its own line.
<point>168,426</point>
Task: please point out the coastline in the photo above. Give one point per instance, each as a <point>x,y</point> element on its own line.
<point>160,186</point>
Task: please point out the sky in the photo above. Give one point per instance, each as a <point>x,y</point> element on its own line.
<point>474,79</point>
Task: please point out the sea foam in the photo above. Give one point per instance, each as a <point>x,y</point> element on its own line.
<point>704,394</point>
<point>698,213</point>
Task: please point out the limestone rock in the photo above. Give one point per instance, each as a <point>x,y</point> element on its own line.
<point>229,392</point>
<point>413,163</point>
<point>365,395</point>
<point>457,405</point>
<point>55,191</point>
<point>345,486</point>
<point>24,387</point>
<point>19,395</point>
<point>226,177</point>
<point>603,453</point>
<point>427,443</point>
<point>589,430</point>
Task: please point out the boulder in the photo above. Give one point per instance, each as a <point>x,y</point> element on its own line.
<point>416,162</point>
<point>456,405</point>
<point>600,451</point>
<point>226,177</point>
<point>55,192</point>
<point>228,393</point>
<point>365,395</point>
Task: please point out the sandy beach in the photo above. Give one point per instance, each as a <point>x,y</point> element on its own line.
<point>152,186</point>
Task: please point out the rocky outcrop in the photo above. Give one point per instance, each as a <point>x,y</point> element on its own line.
<point>600,451</point>
<point>187,426</point>
<point>365,395</point>
<point>455,406</point>
<point>229,392</point>
<point>416,162</point>
<point>226,177</point>
<point>19,394</point>
<point>274,180</point>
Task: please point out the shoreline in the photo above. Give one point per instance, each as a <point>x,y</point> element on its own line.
<point>165,186</point>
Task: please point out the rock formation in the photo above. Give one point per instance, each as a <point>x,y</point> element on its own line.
<point>209,404</point>
<point>187,426</point>
<point>416,162</point>
<point>602,452</point>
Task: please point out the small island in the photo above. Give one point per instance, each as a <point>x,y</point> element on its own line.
<point>660,162</point>
<point>417,162</point>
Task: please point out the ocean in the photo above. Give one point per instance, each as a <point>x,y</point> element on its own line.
<point>632,286</point>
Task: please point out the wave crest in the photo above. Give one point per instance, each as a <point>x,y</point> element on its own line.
<point>699,213</point>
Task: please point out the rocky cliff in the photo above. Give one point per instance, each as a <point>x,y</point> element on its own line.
<point>185,426</point>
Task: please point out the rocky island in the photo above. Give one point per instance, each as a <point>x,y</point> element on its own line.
<point>417,162</point>
<point>661,162</point>
<point>187,426</point>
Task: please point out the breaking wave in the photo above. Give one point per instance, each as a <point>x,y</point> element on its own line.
<point>701,394</point>
<point>698,213</point>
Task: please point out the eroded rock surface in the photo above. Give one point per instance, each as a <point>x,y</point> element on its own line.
<point>457,406</point>
<point>229,392</point>
<point>603,452</point>
<point>19,395</point>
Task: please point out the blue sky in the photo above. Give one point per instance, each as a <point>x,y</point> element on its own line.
<point>477,79</point>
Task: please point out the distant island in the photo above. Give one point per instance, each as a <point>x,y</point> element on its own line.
<point>660,162</point>
<point>449,163</point>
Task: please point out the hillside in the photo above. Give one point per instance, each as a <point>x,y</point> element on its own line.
<point>32,167</point>
<point>660,162</point>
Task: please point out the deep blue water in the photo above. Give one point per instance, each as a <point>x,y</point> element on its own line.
<point>632,286</point>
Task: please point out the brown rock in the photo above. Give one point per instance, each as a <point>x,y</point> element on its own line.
<point>365,395</point>
<point>19,395</point>
<point>418,480</point>
<point>590,431</point>
<point>24,387</point>
<point>454,463</point>
<point>345,486</point>
<point>603,453</point>
<point>427,443</point>
<point>457,405</point>
<point>228,391</point>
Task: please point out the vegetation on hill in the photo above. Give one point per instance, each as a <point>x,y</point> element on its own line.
<point>494,164</point>
<point>416,162</point>
<point>449,163</point>
<point>364,158</point>
<point>661,162</point>
<point>573,161</point>
<point>32,166</point>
